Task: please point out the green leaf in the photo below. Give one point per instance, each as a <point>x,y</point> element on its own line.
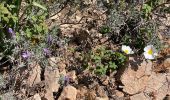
<point>101,70</point>
<point>112,65</point>
<point>38,28</point>
<point>34,18</point>
<point>15,19</point>
<point>147,8</point>
<point>12,6</point>
<point>28,33</point>
<point>4,10</point>
<point>6,19</point>
<point>40,6</point>
<point>17,36</point>
<point>97,57</point>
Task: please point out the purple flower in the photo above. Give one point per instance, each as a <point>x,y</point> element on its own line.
<point>26,54</point>
<point>49,39</point>
<point>47,52</point>
<point>66,80</point>
<point>12,33</point>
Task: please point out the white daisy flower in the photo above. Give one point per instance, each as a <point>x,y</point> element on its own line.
<point>127,49</point>
<point>150,52</point>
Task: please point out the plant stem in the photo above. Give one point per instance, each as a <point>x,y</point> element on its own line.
<point>18,9</point>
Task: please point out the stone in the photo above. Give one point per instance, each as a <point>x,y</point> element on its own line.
<point>136,85</point>
<point>72,75</point>
<point>91,95</point>
<point>158,85</point>
<point>78,16</point>
<point>37,97</point>
<point>119,94</point>
<point>167,63</point>
<point>100,91</point>
<point>164,66</point>
<point>81,92</point>
<point>34,75</point>
<point>155,82</point>
<point>136,80</point>
<point>69,93</point>
<point>8,96</point>
<point>145,84</point>
<point>53,61</point>
<point>99,98</point>
<point>140,96</point>
<point>61,66</point>
<point>162,92</point>
<point>51,81</point>
<point>106,81</point>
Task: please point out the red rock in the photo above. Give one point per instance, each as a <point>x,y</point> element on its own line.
<point>68,93</point>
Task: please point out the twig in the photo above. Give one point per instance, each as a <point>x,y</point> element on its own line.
<point>159,6</point>
<point>59,10</point>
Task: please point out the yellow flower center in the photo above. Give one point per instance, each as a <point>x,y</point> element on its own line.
<point>126,51</point>
<point>150,52</point>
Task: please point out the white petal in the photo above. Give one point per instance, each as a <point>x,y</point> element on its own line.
<point>145,54</point>
<point>155,54</point>
<point>148,56</point>
<point>124,47</point>
<point>128,48</point>
<point>148,48</point>
<point>151,57</point>
<point>131,52</point>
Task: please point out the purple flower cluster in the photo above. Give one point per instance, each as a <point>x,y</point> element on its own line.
<point>47,52</point>
<point>66,80</point>
<point>26,54</point>
<point>11,32</point>
<point>49,39</point>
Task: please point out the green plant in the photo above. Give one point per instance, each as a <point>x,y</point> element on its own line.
<point>7,19</point>
<point>34,16</point>
<point>146,8</point>
<point>132,26</point>
<point>151,5</point>
<point>105,29</point>
<point>103,61</point>
<point>22,28</point>
<point>24,37</point>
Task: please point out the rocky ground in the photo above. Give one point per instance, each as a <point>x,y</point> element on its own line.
<point>63,79</point>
